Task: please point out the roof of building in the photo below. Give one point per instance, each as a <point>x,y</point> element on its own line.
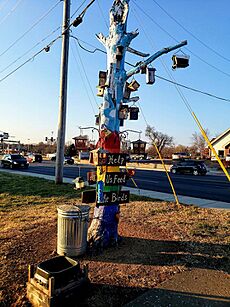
<point>221,136</point>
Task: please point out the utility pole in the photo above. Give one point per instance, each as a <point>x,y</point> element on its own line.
<point>104,227</point>
<point>63,93</point>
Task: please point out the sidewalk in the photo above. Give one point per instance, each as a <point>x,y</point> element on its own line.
<point>196,287</point>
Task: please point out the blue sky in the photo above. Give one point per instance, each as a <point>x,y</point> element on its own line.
<point>29,97</point>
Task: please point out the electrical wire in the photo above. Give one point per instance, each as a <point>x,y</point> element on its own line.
<point>189,32</point>
<point>86,76</point>
<point>83,81</point>
<point>75,12</point>
<point>197,56</point>
<point>11,11</point>
<point>34,25</point>
<point>28,51</point>
<point>102,14</point>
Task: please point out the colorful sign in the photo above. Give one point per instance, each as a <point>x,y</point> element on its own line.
<point>112,159</point>
<point>117,178</point>
<point>110,198</point>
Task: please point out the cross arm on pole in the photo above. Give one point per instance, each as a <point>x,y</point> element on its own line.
<point>153,57</point>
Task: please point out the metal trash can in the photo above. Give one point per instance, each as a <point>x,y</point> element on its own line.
<point>72,229</point>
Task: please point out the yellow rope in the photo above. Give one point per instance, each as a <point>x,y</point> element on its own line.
<point>169,179</point>
<point>210,146</point>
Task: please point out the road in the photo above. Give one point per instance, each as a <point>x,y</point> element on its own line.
<point>213,187</point>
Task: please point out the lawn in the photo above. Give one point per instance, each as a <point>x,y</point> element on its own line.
<point>158,240</point>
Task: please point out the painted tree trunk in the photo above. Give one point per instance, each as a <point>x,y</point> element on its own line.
<point>103,229</point>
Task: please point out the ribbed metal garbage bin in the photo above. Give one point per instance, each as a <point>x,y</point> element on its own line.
<point>72,229</point>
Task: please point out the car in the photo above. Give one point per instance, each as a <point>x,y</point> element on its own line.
<point>14,161</point>
<point>68,160</point>
<point>34,158</point>
<point>180,155</point>
<point>227,157</point>
<point>189,167</point>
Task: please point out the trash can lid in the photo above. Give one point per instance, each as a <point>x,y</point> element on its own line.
<point>73,208</point>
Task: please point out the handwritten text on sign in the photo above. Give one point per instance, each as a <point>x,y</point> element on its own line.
<point>116,178</point>
<point>115,197</point>
<point>112,159</point>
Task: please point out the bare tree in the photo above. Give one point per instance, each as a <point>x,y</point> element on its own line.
<point>199,143</point>
<point>161,140</point>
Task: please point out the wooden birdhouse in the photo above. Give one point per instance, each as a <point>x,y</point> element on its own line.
<point>143,69</point>
<point>133,113</point>
<point>180,61</point>
<point>123,112</point>
<point>102,78</point>
<point>139,147</point>
<point>127,91</point>
<point>150,75</point>
<point>119,52</point>
<point>100,91</point>
<point>133,85</point>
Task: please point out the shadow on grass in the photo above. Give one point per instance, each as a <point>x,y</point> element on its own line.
<point>168,253</point>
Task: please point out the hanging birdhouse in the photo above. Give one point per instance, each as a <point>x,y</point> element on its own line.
<point>100,91</point>
<point>180,61</point>
<point>143,69</point>
<point>97,120</point>
<point>150,75</point>
<point>133,113</point>
<point>119,52</point>
<point>102,78</point>
<point>123,112</point>
<point>121,122</point>
<point>139,147</point>
<point>133,85</point>
<point>127,91</point>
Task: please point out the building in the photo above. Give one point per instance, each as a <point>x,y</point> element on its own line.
<point>221,144</point>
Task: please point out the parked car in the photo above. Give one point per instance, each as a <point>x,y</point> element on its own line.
<point>14,161</point>
<point>68,160</point>
<point>34,158</point>
<point>189,167</point>
<point>180,155</point>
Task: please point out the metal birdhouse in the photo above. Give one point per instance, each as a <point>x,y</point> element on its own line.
<point>133,113</point>
<point>133,85</point>
<point>150,75</point>
<point>143,69</point>
<point>180,61</point>
<point>102,78</point>
<point>100,91</point>
<point>139,147</point>
<point>123,112</point>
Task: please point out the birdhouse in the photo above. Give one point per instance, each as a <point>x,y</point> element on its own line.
<point>102,78</point>
<point>119,52</point>
<point>139,147</point>
<point>180,61</point>
<point>143,69</point>
<point>97,120</point>
<point>121,122</point>
<point>133,113</point>
<point>100,91</point>
<point>133,85</point>
<point>150,75</point>
<point>123,112</point>
<point>127,91</point>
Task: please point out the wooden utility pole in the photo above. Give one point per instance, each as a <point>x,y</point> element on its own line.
<point>63,93</point>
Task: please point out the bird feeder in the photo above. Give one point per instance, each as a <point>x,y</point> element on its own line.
<point>100,91</point>
<point>143,69</point>
<point>133,85</point>
<point>102,78</point>
<point>123,112</point>
<point>150,75</point>
<point>133,113</point>
<point>119,52</point>
<point>127,91</point>
<point>180,61</point>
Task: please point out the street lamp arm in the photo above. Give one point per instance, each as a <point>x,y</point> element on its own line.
<point>153,57</point>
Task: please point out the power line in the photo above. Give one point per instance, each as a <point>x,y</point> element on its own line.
<point>37,44</point>
<point>102,14</point>
<point>78,9</point>
<point>189,32</point>
<point>83,81</point>
<point>11,11</point>
<point>165,31</point>
<point>35,24</point>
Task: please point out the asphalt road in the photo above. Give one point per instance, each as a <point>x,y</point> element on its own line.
<point>207,187</point>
